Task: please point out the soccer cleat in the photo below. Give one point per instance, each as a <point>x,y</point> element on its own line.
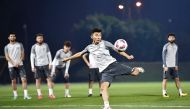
<point>40,97</point>
<point>89,95</point>
<point>27,97</point>
<point>140,69</point>
<point>165,95</point>
<point>107,108</point>
<point>51,97</point>
<point>183,94</point>
<point>15,97</point>
<point>67,96</point>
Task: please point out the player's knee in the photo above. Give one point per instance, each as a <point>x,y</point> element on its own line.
<point>177,79</point>
<point>24,80</point>
<point>104,85</point>
<point>14,81</point>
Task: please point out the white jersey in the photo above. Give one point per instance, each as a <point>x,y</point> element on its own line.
<point>40,55</point>
<point>101,54</point>
<point>170,55</point>
<point>58,60</point>
<point>14,52</point>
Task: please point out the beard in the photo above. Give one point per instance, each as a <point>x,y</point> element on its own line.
<point>12,40</point>
<point>40,43</point>
<point>172,41</point>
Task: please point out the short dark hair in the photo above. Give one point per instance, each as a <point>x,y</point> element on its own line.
<point>171,34</point>
<point>67,43</point>
<point>96,30</point>
<point>39,34</point>
<point>12,33</point>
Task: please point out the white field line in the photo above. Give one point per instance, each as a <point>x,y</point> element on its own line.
<point>59,106</point>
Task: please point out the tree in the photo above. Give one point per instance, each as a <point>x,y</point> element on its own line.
<point>143,36</point>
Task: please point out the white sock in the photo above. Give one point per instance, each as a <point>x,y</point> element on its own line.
<point>164,92</point>
<point>39,92</point>
<point>90,91</point>
<point>180,91</point>
<point>25,92</point>
<point>66,91</point>
<point>50,91</point>
<point>106,104</point>
<point>15,93</point>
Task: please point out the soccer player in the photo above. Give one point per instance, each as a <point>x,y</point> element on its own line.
<point>94,73</point>
<point>14,53</point>
<point>107,65</point>
<point>170,65</point>
<point>59,66</point>
<point>41,60</point>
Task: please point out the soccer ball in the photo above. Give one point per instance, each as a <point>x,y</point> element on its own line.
<point>120,44</point>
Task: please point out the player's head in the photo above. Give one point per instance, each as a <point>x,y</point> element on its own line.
<point>96,35</point>
<point>12,37</point>
<point>39,38</point>
<point>67,46</point>
<point>171,37</point>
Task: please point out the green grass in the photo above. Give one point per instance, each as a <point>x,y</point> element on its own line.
<point>141,95</point>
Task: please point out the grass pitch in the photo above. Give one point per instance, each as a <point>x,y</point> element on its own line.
<point>141,95</point>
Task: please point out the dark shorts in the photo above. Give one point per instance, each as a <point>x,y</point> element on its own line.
<point>172,72</point>
<point>15,72</point>
<point>94,74</point>
<point>58,71</point>
<point>42,72</point>
<point>113,70</point>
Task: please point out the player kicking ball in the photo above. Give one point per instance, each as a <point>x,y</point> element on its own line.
<point>59,66</point>
<point>14,53</point>
<point>41,60</point>
<point>107,65</point>
<point>170,65</point>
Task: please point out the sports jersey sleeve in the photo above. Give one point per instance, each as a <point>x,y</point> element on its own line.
<point>57,55</point>
<point>6,50</point>
<point>109,45</point>
<point>32,56</point>
<point>164,55</point>
<point>85,50</point>
<point>176,63</point>
<point>49,54</point>
<point>67,65</point>
<point>22,48</point>
<point>53,69</point>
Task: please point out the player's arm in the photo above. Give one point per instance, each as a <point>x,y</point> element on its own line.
<point>76,55</point>
<point>7,56</point>
<point>84,57</point>
<point>22,54</point>
<point>164,58</point>
<point>176,59</point>
<point>125,55</point>
<point>32,58</point>
<point>67,69</point>
<point>49,56</point>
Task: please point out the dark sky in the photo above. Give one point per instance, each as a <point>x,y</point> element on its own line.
<point>55,18</point>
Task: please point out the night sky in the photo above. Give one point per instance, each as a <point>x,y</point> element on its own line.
<point>55,18</point>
